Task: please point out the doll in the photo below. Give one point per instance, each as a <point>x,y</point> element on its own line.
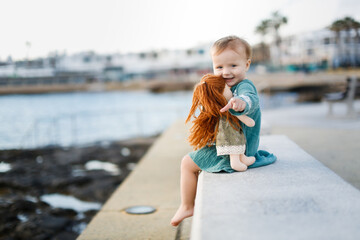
<point>212,126</point>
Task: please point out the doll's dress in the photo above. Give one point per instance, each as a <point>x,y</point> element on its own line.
<point>228,139</point>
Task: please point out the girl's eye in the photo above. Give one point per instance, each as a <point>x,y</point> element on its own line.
<point>233,65</point>
<point>219,67</point>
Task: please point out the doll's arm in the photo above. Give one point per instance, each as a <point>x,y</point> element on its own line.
<point>246,120</point>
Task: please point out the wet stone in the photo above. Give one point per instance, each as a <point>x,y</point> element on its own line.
<point>65,236</point>
<point>38,172</point>
<point>53,223</point>
<point>60,212</point>
<point>22,206</point>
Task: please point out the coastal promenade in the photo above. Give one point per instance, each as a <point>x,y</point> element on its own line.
<point>155,181</point>
<point>334,141</point>
<point>284,81</point>
<point>267,82</point>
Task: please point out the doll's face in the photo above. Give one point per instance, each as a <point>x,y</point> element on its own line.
<point>227,92</point>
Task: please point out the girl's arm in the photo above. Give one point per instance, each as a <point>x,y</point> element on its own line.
<point>248,94</point>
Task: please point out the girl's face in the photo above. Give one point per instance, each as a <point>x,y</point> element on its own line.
<point>227,92</point>
<point>231,65</point>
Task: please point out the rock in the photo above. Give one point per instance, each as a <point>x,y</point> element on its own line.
<point>97,191</point>
<point>90,213</point>
<point>7,228</point>
<point>65,236</point>
<point>16,170</point>
<point>28,230</point>
<point>22,206</point>
<point>62,182</point>
<point>8,221</point>
<point>36,172</point>
<point>60,212</point>
<point>53,223</point>
<point>40,227</point>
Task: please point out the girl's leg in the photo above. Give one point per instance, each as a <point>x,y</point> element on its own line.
<point>236,164</point>
<point>188,184</point>
<point>247,160</point>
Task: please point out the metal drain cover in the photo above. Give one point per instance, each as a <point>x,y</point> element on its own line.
<point>140,210</point>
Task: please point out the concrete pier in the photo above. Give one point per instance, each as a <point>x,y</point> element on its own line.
<point>295,198</point>
<point>155,182</point>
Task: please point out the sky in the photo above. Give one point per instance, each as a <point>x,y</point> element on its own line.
<point>123,26</point>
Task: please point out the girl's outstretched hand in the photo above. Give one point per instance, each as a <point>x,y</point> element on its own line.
<point>235,103</point>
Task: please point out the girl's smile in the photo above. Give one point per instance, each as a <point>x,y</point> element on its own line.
<point>231,65</point>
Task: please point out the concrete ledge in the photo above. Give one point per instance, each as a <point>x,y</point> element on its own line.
<point>295,198</point>
<point>156,182</point>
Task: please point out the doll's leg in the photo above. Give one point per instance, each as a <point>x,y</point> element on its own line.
<point>247,160</point>
<point>236,164</point>
<point>188,184</point>
<point>246,120</point>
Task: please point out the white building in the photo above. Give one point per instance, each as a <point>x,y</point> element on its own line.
<point>318,48</point>
<point>152,64</point>
<point>116,67</point>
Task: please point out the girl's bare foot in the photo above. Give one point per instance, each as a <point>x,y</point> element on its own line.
<point>181,214</point>
<point>247,160</point>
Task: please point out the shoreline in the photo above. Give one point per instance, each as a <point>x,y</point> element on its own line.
<point>266,82</point>
<point>36,174</point>
<point>150,85</point>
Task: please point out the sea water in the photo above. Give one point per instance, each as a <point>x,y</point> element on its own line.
<point>81,118</point>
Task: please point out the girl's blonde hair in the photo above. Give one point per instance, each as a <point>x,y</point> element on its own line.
<point>234,43</point>
<point>209,99</point>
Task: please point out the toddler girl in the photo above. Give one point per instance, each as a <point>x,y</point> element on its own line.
<point>217,138</point>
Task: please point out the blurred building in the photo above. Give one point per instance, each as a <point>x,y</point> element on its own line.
<point>87,67</point>
<point>164,64</point>
<point>260,53</point>
<point>318,50</point>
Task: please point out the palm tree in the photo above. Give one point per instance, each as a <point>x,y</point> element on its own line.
<point>347,24</point>
<point>356,27</point>
<point>352,24</point>
<point>337,26</point>
<point>263,29</point>
<point>276,21</point>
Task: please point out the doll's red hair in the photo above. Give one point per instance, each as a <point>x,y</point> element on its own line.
<point>208,98</point>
